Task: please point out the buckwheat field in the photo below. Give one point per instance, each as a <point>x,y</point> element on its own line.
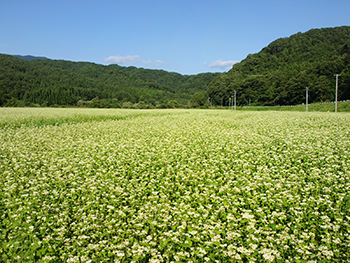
<point>81,185</point>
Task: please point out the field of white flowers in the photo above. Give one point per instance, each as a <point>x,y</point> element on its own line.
<point>174,186</point>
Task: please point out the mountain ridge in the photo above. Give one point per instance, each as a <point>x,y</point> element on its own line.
<point>59,82</point>
<point>28,57</point>
<point>277,75</point>
<point>280,72</point>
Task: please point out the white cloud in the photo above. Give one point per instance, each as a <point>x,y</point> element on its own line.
<point>224,65</point>
<point>146,63</point>
<point>159,62</point>
<point>134,61</point>
<point>127,60</point>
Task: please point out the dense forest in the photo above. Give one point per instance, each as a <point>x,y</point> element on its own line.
<point>25,81</point>
<point>280,72</point>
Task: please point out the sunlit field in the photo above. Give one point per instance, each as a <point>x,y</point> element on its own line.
<point>84,185</point>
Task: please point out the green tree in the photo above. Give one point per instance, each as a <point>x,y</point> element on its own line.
<point>173,104</point>
<point>197,100</point>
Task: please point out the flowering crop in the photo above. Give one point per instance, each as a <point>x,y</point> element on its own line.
<point>176,186</point>
<point>19,117</point>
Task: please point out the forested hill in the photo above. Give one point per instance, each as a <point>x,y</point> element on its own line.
<point>280,72</point>
<point>48,82</point>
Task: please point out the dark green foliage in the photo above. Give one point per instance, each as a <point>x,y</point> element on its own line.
<point>173,104</point>
<point>44,82</point>
<point>279,73</point>
<point>198,99</point>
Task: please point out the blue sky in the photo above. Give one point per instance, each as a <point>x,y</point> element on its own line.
<point>184,36</point>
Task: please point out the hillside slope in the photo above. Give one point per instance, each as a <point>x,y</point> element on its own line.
<point>58,82</point>
<point>280,72</point>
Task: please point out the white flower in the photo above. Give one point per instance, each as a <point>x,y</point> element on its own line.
<point>120,254</point>
<point>253,246</point>
<point>269,257</point>
<point>247,216</point>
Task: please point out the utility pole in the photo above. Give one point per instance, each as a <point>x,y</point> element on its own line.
<point>336,91</point>
<point>307,98</point>
<point>235,99</point>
